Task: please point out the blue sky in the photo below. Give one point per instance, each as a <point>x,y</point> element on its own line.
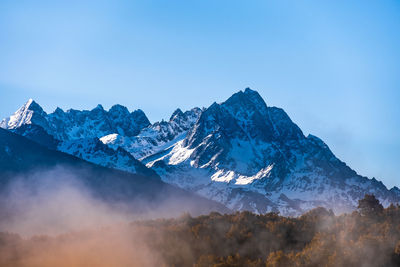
<point>334,66</point>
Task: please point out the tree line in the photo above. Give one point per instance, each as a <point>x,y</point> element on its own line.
<point>370,236</point>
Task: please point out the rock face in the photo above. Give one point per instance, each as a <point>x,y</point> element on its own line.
<point>76,132</point>
<point>157,137</point>
<point>93,150</point>
<point>253,157</point>
<point>75,124</point>
<point>26,162</point>
<point>241,153</point>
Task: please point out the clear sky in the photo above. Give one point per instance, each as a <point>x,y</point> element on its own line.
<point>334,66</point>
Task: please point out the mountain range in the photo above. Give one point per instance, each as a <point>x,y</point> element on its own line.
<point>25,162</point>
<point>241,153</point>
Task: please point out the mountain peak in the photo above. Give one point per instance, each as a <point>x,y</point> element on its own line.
<point>32,105</point>
<point>59,111</point>
<point>139,112</point>
<point>246,99</point>
<point>30,101</point>
<point>251,93</point>
<point>98,107</point>
<point>30,112</point>
<point>177,113</point>
<point>248,90</point>
<point>257,150</point>
<point>140,118</point>
<point>119,109</point>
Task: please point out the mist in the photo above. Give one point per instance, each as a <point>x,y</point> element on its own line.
<point>52,218</point>
<point>53,202</point>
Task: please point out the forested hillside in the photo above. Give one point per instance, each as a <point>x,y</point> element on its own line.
<point>367,237</point>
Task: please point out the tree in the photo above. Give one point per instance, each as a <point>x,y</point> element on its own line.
<point>369,206</point>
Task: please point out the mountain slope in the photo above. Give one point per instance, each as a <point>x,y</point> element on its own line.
<point>241,153</point>
<point>93,150</point>
<point>156,137</point>
<point>77,132</point>
<point>20,157</point>
<point>76,124</point>
<point>253,157</point>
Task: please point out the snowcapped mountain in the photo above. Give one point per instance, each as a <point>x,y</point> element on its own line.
<point>93,150</point>
<point>113,138</point>
<point>30,113</point>
<point>76,132</point>
<point>75,124</point>
<point>241,153</point>
<point>26,162</point>
<point>157,137</point>
<point>249,156</point>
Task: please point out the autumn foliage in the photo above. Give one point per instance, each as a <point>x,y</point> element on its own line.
<point>367,237</point>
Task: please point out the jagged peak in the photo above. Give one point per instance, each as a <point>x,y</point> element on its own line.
<point>246,98</point>
<point>196,109</point>
<point>248,90</point>
<point>252,93</point>
<point>24,115</point>
<point>163,122</point>
<point>118,108</point>
<point>98,107</point>
<point>194,112</point>
<point>71,110</point>
<point>177,113</point>
<point>59,110</point>
<point>138,112</point>
<point>32,105</point>
<point>140,115</point>
<point>395,189</point>
<point>30,101</point>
